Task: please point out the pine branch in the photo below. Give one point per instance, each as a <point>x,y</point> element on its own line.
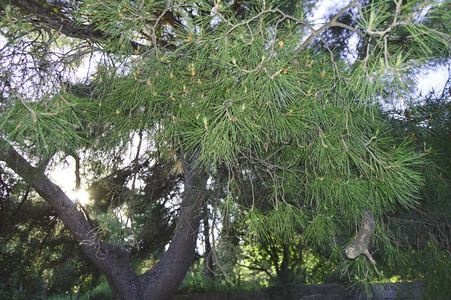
<point>332,23</point>
<point>63,25</point>
<point>59,22</point>
<point>360,244</point>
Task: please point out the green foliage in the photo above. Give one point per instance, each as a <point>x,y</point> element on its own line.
<point>296,126</point>
<point>197,282</point>
<point>101,292</point>
<point>55,126</point>
<point>343,156</point>
<point>428,124</point>
<point>436,271</point>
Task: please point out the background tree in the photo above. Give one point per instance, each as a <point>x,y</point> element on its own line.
<point>425,231</point>
<point>239,87</point>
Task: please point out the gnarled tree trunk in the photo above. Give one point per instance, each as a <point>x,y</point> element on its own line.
<point>161,281</point>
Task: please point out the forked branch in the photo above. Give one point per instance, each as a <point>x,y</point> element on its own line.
<point>360,244</point>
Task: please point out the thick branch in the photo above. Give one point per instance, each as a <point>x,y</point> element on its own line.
<point>63,25</point>
<point>110,260</point>
<point>58,22</point>
<point>360,244</point>
<point>162,280</point>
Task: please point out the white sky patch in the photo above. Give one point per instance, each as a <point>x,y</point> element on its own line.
<point>88,67</point>
<point>352,44</point>
<point>64,176</point>
<point>433,80</point>
<point>324,8</point>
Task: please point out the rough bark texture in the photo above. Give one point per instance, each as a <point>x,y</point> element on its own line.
<point>162,280</point>
<point>111,261</point>
<point>360,244</point>
<point>62,24</point>
<point>57,22</point>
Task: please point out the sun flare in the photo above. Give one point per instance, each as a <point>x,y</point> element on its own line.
<point>81,196</point>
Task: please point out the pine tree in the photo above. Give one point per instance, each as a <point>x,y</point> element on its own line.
<point>249,87</point>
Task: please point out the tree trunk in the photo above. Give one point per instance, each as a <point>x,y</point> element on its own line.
<point>285,274</point>
<point>160,282</point>
<point>110,260</point>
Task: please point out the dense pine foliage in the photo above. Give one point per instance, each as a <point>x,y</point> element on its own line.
<point>243,120</point>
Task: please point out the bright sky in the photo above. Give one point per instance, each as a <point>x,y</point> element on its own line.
<point>433,80</point>
<point>430,80</point>
<point>324,7</point>
<point>64,173</point>
<point>64,176</point>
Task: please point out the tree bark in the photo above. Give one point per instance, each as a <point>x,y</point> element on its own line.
<point>58,22</point>
<point>110,260</point>
<point>62,24</point>
<point>360,244</point>
<point>163,279</point>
